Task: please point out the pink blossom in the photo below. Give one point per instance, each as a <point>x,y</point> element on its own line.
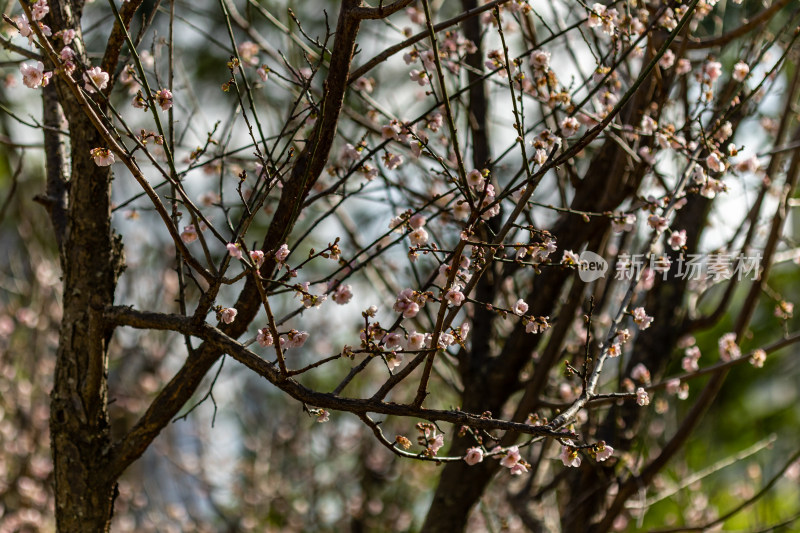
<point>392,161</point>
<point>343,294</point>
<point>454,297</point>
<point>419,76</point>
<point>518,468</point>
<point>570,126</point>
<point>418,237</point>
<point>656,222</point>
<point>415,341</point>
<point>228,314</point>
<point>728,349</point>
<point>438,442</point>
<point>97,76</point>
<point>296,339</point>
<point>740,71</point>
<point>603,451</point>
<point>263,72</point>
<point>684,66</point>
<point>23,26</point>
<point>641,318</point>
<point>282,253</point>
<point>67,36</point>
<point>323,415</point>
<point>714,163</point>
<point>234,250</point>
<point>677,240</point>
<point>758,358</point>
<point>264,337</point>
<point>189,234</point>
<point>40,9</point>
<point>520,307</point>
<point>164,99</point>
<point>641,397</point>
<point>540,60</point>
<point>667,60</point>
<point>570,457</point>
<point>691,356</point>
<point>511,458</point>
<point>417,221</point>
<point>640,373</point>
<point>614,350</point>
<point>474,456</point>
<point>248,52</point>
<point>33,75</point>
<point>537,325</point>
<point>257,257</point>
<point>784,310</point>
<point>103,157</point>
<point>475,179</point>
<point>712,70</point>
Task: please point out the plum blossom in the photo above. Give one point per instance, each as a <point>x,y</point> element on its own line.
<point>67,36</point>
<point>419,76</point>
<point>257,257</point>
<point>667,60</point>
<point>24,26</point>
<point>282,253</point>
<point>537,325</point>
<point>164,99</point>
<point>323,415</point>
<point>296,339</point>
<point>677,240</point>
<point>712,70</point>
<point>234,250</point>
<point>691,356</point>
<point>728,349</point>
<point>758,358</point>
<point>437,443</point>
<point>740,71</point>
<point>263,72</point>
<point>641,397</point>
<point>540,60</point>
<point>415,341</point>
<point>641,318</point>
<point>614,350</point>
<point>454,297</point>
<point>343,294</point>
<point>520,307</point>
<point>784,310</point>
<point>228,314</point>
<point>475,179</point>
<point>40,9</point>
<point>684,67</point>
<point>418,237</point>
<point>103,157</point>
<point>656,222</point>
<point>33,75</point>
<point>570,457</point>
<point>640,373</point>
<point>248,51</point>
<point>264,337</point>
<point>189,234</point>
<point>714,163</point>
<point>602,451</point>
<point>409,302</point>
<point>97,76</point>
<point>474,455</point>
<point>570,126</point>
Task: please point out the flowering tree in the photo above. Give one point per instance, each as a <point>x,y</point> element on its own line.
<point>509,258</point>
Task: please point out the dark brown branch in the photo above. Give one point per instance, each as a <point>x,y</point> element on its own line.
<point>380,12</point>
<point>392,50</point>
<point>744,29</point>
